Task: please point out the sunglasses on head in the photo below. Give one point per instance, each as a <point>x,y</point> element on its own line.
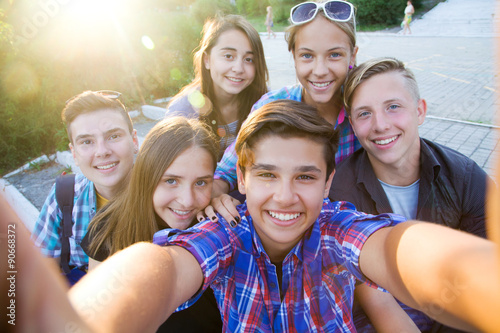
<point>111,94</point>
<point>335,10</point>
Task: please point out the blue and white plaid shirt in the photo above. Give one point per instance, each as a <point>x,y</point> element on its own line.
<point>47,231</point>
<point>348,143</point>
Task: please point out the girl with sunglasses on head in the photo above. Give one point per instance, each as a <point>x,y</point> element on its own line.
<point>230,76</point>
<point>322,39</point>
<point>170,183</point>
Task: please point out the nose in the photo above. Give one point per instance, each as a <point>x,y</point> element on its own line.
<point>102,149</point>
<point>285,193</point>
<point>320,68</point>
<point>380,122</point>
<point>186,197</point>
<point>238,66</point>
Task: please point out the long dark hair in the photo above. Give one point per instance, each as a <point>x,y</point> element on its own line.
<point>212,29</point>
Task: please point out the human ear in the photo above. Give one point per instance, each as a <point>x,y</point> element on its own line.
<point>328,184</point>
<point>352,62</point>
<point>73,153</point>
<point>241,180</point>
<point>352,126</point>
<point>421,111</point>
<point>135,140</point>
<point>206,60</point>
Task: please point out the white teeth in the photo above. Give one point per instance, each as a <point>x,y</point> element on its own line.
<point>386,141</point>
<point>234,79</point>
<point>180,212</point>
<point>105,167</point>
<point>284,217</point>
<point>321,85</point>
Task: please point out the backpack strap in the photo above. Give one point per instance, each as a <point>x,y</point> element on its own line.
<point>65,193</point>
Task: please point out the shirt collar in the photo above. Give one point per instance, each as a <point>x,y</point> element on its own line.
<point>341,117</point>
<point>428,162</point>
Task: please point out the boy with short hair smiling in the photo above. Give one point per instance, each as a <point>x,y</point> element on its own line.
<point>103,142</point>
<point>396,171</point>
<point>292,262</point>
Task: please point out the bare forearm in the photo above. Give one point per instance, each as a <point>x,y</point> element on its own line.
<point>37,291</point>
<point>136,289</point>
<point>450,275</point>
<point>219,187</point>
<point>379,306</point>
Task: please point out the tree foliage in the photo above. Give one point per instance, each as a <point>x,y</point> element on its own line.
<point>387,12</point>
<point>46,56</point>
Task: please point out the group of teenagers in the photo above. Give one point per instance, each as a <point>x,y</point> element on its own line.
<point>293,210</point>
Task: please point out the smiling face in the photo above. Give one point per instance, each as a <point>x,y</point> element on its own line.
<point>285,186</point>
<point>185,188</point>
<point>231,65</point>
<point>322,55</point>
<point>103,148</point>
<point>385,117</point>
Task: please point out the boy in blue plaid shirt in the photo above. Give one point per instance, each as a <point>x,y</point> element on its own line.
<point>103,142</point>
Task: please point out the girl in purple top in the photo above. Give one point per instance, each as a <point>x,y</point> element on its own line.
<point>230,76</point>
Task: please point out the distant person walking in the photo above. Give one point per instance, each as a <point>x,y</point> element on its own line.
<point>269,22</point>
<point>409,10</point>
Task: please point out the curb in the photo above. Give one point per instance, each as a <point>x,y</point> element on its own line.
<point>21,206</point>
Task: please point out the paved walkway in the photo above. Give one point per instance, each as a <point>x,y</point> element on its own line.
<point>453,60</point>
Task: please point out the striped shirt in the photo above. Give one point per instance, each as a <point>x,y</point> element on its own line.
<point>318,275</point>
<point>348,143</point>
<point>47,231</point>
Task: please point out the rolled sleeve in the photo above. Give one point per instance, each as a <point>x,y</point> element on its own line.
<point>209,243</point>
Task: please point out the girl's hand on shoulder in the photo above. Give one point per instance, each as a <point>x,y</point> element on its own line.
<point>225,205</point>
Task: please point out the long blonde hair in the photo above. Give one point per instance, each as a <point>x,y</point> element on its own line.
<point>130,217</point>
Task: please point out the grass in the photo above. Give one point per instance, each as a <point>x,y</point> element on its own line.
<point>258,24</point>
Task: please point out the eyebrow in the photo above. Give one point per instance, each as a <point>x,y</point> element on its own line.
<point>171,175</point>
<point>366,107</point>
<point>108,132</point>
<point>271,167</point>
<point>329,50</point>
<point>233,49</point>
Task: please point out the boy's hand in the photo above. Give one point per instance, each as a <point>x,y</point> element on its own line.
<point>225,205</point>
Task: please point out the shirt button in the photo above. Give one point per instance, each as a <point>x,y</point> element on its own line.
<point>273,285</point>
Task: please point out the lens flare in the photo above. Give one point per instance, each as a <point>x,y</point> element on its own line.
<point>148,42</point>
<point>175,74</point>
<point>196,99</point>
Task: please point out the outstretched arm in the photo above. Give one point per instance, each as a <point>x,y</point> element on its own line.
<point>451,276</point>
<point>32,285</point>
<point>136,289</point>
<point>379,306</point>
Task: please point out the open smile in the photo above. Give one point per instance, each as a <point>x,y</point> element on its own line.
<point>234,79</point>
<point>283,219</point>
<point>321,85</point>
<point>181,214</point>
<point>386,141</point>
<point>106,166</point>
